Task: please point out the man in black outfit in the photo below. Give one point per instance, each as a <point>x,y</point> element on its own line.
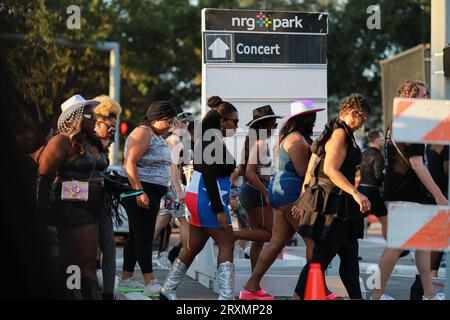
<point>372,176</point>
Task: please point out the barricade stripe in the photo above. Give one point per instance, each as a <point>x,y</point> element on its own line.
<point>433,235</point>
<point>439,133</point>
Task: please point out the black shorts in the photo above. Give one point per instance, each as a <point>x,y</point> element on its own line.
<point>251,198</point>
<point>71,215</point>
<point>378,208</point>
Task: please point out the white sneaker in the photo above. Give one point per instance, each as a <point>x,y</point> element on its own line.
<point>164,260</point>
<point>384,297</point>
<point>439,296</point>
<point>152,289</point>
<point>130,285</point>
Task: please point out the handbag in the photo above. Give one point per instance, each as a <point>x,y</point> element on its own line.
<point>76,190</point>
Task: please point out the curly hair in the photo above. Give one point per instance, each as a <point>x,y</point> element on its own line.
<point>410,89</point>
<point>356,102</point>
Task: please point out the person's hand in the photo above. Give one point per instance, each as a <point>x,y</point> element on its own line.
<point>142,201</point>
<point>234,177</point>
<point>223,220</point>
<point>181,196</point>
<point>363,201</point>
<point>267,199</point>
<point>441,200</point>
<point>296,212</point>
<point>234,204</point>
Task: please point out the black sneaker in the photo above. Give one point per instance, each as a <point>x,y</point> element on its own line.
<point>173,254</point>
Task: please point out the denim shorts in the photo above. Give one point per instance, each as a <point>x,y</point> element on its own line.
<point>284,188</point>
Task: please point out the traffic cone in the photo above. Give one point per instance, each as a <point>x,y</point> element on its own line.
<point>315,285</point>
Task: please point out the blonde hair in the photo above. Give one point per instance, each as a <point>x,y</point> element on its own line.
<point>107,107</point>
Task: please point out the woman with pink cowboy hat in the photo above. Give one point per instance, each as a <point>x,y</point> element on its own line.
<point>284,189</point>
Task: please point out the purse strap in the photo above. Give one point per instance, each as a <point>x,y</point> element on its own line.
<point>389,132</point>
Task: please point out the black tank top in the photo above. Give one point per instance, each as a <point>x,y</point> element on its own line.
<point>348,168</point>
<point>84,166</point>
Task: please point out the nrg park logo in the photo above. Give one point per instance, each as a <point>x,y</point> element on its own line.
<point>263,21</point>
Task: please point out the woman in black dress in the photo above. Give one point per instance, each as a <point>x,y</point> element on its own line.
<point>330,207</point>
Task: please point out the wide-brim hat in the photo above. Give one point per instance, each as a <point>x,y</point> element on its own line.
<point>185,116</point>
<point>302,107</point>
<point>262,113</point>
<point>77,101</point>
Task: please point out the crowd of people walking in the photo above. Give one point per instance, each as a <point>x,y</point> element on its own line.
<point>178,168</point>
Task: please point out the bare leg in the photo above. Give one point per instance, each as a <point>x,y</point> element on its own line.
<point>435,259</point>
<point>225,240</point>
<point>195,243</point>
<point>282,233</point>
<point>261,224</point>
<point>387,263</point>
<point>79,247</point>
<point>383,221</point>
<point>184,230</point>
<point>260,230</point>
<point>309,248</point>
<point>161,222</point>
<point>423,265</point>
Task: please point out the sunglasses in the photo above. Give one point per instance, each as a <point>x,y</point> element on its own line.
<point>90,116</point>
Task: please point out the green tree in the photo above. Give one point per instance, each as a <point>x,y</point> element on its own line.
<point>354,51</point>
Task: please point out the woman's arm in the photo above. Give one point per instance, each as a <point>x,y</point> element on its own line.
<point>311,162</point>
<point>425,177</point>
<point>335,153</point>
<point>52,158</point>
<point>252,163</point>
<point>138,144</point>
<point>54,155</point>
<point>298,150</point>
<point>176,147</point>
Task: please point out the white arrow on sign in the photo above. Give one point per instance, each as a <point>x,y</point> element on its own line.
<point>219,49</point>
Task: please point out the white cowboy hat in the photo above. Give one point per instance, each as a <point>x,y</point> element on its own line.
<point>78,101</point>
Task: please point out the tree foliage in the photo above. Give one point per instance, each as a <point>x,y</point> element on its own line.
<point>160,45</point>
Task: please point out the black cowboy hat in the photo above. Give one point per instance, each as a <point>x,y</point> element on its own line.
<point>262,113</point>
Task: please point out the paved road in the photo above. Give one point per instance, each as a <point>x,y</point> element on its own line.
<point>370,250</point>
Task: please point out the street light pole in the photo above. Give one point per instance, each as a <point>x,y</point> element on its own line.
<point>440,86</point>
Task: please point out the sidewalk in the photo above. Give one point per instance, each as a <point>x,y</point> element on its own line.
<point>371,248</point>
